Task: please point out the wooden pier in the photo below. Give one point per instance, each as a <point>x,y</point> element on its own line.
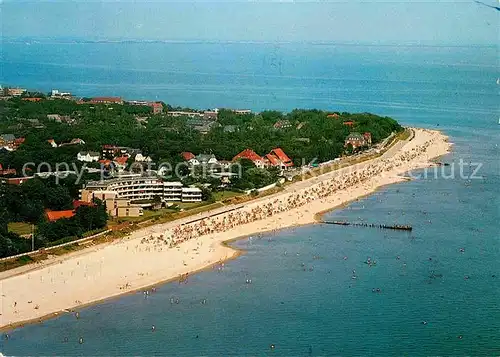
<point>371,225</point>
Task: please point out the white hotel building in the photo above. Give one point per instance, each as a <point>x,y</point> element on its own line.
<point>143,188</point>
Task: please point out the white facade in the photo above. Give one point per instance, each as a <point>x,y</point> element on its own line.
<point>187,114</point>
<point>191,194</point>
<point>172,191</point>
<point>87,156</point>
<point>145,188</point>
<point>142,158</point>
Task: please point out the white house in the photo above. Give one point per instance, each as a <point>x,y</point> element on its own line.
<point>141,158</point>
<point>87,156</point>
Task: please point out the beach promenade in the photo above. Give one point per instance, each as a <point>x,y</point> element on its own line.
<point>165,251</point>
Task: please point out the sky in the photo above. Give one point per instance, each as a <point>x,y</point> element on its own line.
<point>404,21</point>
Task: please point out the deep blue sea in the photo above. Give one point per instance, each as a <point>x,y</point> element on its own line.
<point>322,310</point>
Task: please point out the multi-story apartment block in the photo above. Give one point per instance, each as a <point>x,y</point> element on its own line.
<point>135,187</point>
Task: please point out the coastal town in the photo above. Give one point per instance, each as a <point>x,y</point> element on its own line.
<point>127,161</point>
<point>167,224</point>
<point>172,250</point>
<point>249,178</point>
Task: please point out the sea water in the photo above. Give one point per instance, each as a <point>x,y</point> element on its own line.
<point>311,292</point>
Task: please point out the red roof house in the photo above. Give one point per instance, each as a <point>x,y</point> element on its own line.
<point>186,155</point>
<point>19,141</point>
<point>247,154</point>
<point>273,160</point>
<point>368,138</point>
<point>6,171</point>
<point>53,216</point>
<point>122,160</point>
<point>78,203</point>
<point>252,156</point>
<point>349,123</point>
<point>277,157</point>
<point>333,115</point>
<point>32,99</point>
<point>157,107</point>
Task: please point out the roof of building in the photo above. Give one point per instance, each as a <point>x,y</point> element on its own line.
<point>282,124</point>
<point>281,155</point>
<point>91,153</point>
<point>273,159</point>
<point>108,146</point>
<point>18,180</point>
<point>56,215</point>
<point>8,137</point>
<point>191,189</point>
<point>32,99</point>
<point>186,155</point>
<point>355,136</point>
<point>350,123</point>
<point>248,154</point>
<point>172,183</point>
<point>205,157</point>
<point>333,115</point>
<point>78,203</point>
<point>301,125</point>
<point>122,160</point>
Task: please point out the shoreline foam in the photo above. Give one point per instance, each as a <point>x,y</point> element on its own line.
<point>89,287</point>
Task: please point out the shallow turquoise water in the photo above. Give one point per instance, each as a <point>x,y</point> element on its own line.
<point>322,310</point>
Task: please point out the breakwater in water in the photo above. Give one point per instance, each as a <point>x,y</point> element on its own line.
<point>397,227</point>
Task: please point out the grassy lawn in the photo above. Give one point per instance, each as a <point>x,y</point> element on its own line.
<point>224,195</point>
<point>20,228</point>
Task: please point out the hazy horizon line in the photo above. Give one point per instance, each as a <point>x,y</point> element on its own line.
<point>76,39</point>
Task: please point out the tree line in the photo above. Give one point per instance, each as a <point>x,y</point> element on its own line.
<point>309,134</point>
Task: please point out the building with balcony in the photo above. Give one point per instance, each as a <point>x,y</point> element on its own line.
<point>191,194</point>
<point>136,187</point>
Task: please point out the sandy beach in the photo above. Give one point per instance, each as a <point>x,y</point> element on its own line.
<point>165,251</point>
